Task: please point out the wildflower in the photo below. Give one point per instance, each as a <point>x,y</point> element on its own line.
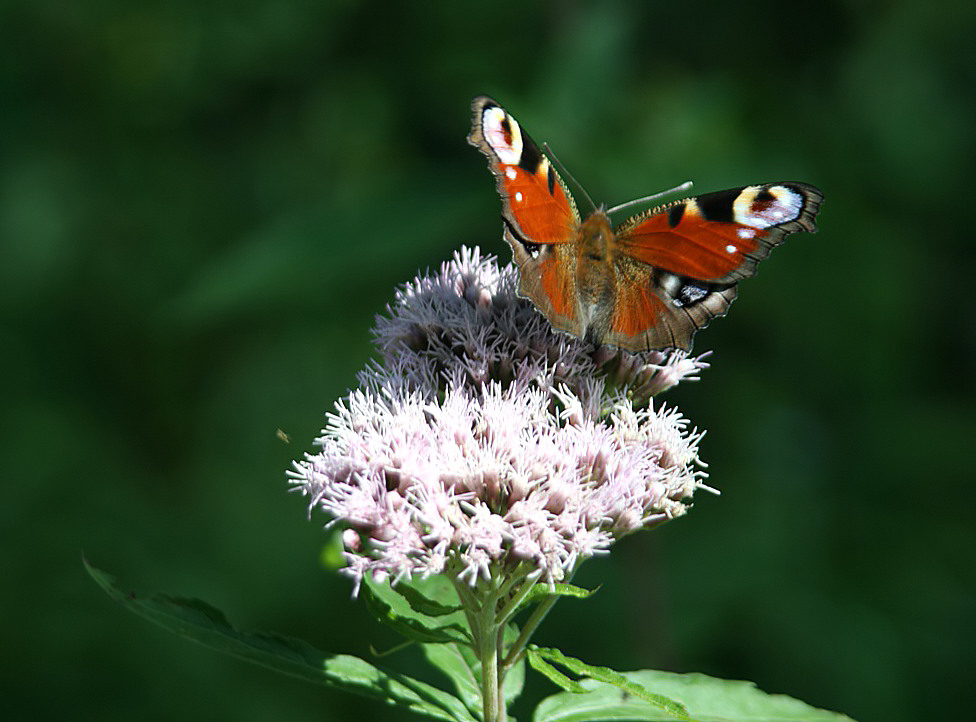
<point>482,440</point>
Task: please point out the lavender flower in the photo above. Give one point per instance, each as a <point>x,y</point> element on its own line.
<point>484,441</point>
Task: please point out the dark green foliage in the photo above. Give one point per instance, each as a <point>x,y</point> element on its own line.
<point>202,206</point>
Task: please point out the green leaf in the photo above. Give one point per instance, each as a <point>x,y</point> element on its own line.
<point>539,664</point>
<point>515,678</point>
<point>424,604</point>
<point>706,698</point>
<point>393,609</point>
<point>425,601</point>
<point>674,710</point>
<point>515,682</point>
<point>455,662</point>
<point>202,623</point>
<point>542,590</point>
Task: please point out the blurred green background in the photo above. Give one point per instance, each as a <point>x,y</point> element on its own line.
<point>203,205</point>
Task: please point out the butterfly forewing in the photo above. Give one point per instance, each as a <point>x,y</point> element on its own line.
<point>541,220</point>
<point>721,237</point>
<point>536,202</point>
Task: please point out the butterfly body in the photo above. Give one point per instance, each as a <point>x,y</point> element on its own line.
<point>650,283</point>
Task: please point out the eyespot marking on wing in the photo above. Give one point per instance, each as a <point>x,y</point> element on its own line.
<point>760,208</point>
<point>503,134</point>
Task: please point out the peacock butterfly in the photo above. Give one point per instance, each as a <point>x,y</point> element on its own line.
<point>649,283</point>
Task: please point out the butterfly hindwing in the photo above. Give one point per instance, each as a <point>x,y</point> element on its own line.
<point>656,309</point>
<point>547,277</point>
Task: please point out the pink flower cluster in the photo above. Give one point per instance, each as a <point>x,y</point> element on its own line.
<point>484,440</point>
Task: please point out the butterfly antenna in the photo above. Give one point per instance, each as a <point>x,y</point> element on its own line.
<point>640,201</point>
<point>565,172</point>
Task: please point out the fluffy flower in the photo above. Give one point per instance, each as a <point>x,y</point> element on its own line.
<point>483,440</point>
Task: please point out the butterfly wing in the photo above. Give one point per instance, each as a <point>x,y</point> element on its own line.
<point>677,267</point>
<point>541,220</point>
<point>647,312</point>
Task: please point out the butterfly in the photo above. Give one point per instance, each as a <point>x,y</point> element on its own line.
<point>649,283</point>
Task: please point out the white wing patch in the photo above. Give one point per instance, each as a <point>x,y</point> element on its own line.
<point>502,133</point>
<point>785,206</point>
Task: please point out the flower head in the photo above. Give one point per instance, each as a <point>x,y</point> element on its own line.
<point>483,440</point>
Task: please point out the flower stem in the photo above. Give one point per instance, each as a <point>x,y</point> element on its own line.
<point>471,608</point>
<point>528,581</point>
<point>487,640</point>
<point>487,637</point>
<point>489,676</point>
<point>517,649</point>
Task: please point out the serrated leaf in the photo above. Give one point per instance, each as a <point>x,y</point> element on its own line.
<point>539,664</point>
<point>198,621</point>
<point>542,590</point>
<point>707,699</point>
<point>405,621</point>
<point>674,710</point>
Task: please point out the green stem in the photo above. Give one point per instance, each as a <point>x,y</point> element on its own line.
<point>487,649</point>
<point>502,673</point>
<point>517,650</point>
<point>511,579</point>
<point>506,612</point>
<point>535,619</point>
<point>479,606</point>
<point>489,677</point>
<point>472,609</point>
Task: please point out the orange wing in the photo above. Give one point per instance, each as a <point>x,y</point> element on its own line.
<point>721,237</point>
<point>541,220</point>
<point>534,197</point>
<point>678,267</point>
<point>653,282</point>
